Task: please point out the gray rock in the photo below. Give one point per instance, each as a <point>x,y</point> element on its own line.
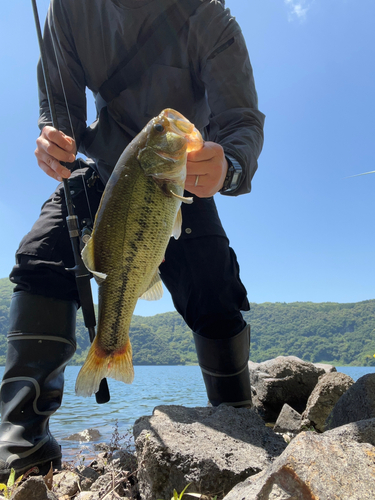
<point>328,390</point>
<point>362,431</point>
<point>325,367</point>
<point>285,379</point>
<point>123,459</point>
<point>94,495</point>
<point>87,476</point>
<point>102,483</point>
<point>87,495</point>
<point>315,466</point>
<point>212,448</point>
<point>99,463</point>
<point>102,447</point>
<point>66,483</point>
<point>289,420</point>
<point>253,365</point>
<point>33,488</point>
<point>358,403</point>
<point>86,435</point>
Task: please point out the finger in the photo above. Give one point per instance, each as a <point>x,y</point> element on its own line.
<point>210,151</point>
<point>208,169</point>
<point>204,154</point>
<point>51,166</point>
<point>48,170</point>
<point>199,168</point>
<point>60,139</point>
<point>45,146</point>
<point>195,180</point>
<point>201,186</point>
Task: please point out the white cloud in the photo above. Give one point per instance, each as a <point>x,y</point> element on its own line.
<point>298,9</point>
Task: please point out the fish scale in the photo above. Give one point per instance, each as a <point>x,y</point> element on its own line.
<point>138,262</point>
<point>137,215</point>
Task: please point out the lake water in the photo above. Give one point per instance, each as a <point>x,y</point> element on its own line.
<point>152,386</point>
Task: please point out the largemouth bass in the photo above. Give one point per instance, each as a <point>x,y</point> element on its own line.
<point>138,213</point>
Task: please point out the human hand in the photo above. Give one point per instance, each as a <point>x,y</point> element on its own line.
<point>54,146</point>
<point>206,170</point>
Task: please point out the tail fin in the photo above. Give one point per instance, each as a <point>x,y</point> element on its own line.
<point>98,365</point>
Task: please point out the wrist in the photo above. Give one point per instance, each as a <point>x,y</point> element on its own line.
<point>233,177</point>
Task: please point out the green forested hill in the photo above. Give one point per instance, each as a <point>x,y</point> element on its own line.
<point>340,334</point>
<point>328,332</point>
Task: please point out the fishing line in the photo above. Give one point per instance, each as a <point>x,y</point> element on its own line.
<point>87,197</point>
<point>60,75</point>
<point>67,105</point>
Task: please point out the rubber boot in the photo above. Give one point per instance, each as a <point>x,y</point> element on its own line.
<point>225,370</point>
<point>41,341</point>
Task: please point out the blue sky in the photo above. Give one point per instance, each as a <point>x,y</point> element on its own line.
<point>306,231</point>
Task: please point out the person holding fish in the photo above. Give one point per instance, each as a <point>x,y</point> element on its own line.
<point>180,127</point>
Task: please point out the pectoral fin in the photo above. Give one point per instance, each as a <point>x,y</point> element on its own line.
<point>155,289</point>
<point>176,230</point>
<point>89,261</point>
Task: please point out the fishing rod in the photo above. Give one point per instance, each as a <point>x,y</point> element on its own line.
<point>82,275</point>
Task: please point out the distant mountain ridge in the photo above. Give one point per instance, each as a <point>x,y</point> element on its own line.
<point>341,334</point>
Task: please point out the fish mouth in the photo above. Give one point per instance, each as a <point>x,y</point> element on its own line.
<point>181,126</point>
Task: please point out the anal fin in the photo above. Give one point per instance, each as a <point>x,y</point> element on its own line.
<point>154,290</point>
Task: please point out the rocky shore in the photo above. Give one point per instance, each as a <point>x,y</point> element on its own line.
<point>309,436</point>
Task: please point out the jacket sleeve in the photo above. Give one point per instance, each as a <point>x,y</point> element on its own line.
<point>225,70</point>
<point>59,46</point>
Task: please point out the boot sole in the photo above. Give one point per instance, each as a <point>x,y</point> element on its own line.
<point>42,469</point>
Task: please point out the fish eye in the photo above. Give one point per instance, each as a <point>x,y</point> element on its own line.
<point>158,127</point>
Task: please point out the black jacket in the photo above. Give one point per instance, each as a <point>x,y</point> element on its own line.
<point>206,75</point>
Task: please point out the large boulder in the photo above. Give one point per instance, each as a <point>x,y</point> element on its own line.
<point>211,448</point>
<point>285,379</point>
<point>316,466</point>
<point>357,403</point>
<point>322,400</point>
<point>362,431</point>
